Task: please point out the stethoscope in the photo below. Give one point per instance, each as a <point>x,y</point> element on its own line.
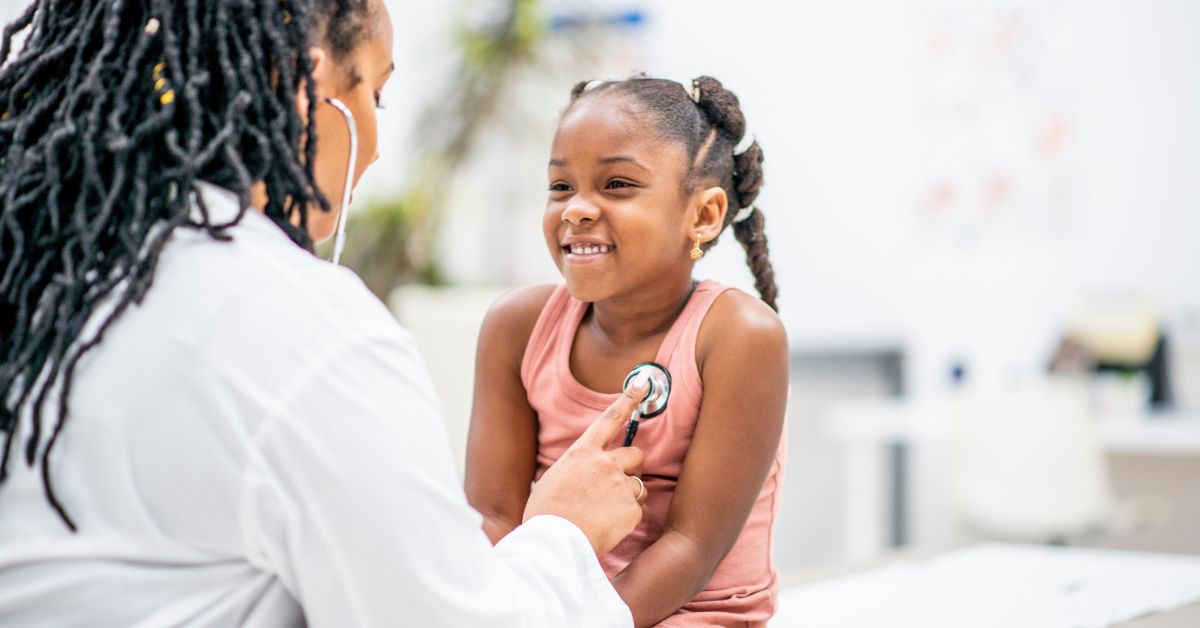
<point>654,402</point>
<point>339,237</point>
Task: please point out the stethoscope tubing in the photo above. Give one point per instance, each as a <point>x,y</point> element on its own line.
<point>339,238</point>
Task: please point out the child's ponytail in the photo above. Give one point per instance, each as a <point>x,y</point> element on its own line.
<point>722,110</point>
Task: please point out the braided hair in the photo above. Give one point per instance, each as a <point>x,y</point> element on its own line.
<point>109,115</point>
<point>709,128</point>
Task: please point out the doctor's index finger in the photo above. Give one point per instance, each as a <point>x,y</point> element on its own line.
<point>613,419</point>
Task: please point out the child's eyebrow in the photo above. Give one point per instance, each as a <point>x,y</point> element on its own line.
<point>559,163</point>
<point>622,159</point>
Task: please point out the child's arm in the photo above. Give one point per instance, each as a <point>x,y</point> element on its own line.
<point>502,445</point>
<point>743,358</point>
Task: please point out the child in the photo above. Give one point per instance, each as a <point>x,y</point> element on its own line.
<point>644,175</point>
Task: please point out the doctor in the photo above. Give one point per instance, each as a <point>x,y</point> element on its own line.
<point>204,424</point>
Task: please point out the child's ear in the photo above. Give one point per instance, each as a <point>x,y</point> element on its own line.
<point>710,213</point>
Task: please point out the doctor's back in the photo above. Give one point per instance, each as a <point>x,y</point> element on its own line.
<point>229,448</point>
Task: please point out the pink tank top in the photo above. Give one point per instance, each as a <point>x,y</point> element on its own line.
<point>743,588</point>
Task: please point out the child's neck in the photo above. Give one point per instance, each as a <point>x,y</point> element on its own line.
<point>630,319</point>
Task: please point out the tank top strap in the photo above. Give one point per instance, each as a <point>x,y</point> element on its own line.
<point>555,316</point>
<point>678,349</point>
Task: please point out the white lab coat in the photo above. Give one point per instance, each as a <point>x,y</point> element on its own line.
<point>258,444</point>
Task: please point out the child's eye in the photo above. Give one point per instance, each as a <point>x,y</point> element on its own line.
<point>617,184</point>
<point>559,186</point>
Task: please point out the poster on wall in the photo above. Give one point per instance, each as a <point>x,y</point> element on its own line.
<point>998,89</point>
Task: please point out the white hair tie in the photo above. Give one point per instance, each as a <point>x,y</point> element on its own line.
<point>693,91</point>
<point>592,85</point>
<point>744,213</point>
<point>747,141</point>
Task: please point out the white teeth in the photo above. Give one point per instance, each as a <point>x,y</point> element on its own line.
<point>586,249</point>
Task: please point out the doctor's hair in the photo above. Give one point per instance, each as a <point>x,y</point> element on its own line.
<point>709,129</point>
<point>109,115</point>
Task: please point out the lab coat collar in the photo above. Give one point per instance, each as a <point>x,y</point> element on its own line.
<point>223,205</point>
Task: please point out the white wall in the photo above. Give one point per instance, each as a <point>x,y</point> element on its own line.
<point>839,94</point>
<point>864,108</point>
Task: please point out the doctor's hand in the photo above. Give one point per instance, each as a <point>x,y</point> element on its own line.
<point>593,487</point>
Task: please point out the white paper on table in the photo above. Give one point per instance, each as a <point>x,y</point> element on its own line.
<point>999,586</point>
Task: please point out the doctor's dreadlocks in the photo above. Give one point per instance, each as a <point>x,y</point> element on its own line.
<point>108,116</point>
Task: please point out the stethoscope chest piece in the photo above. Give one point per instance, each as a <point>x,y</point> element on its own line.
<point>655,401</point>
<point>657,395</point>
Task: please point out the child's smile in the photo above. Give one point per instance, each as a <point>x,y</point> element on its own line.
<point>615,222</point>
<point>585,250</point>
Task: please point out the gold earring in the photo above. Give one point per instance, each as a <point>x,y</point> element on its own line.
<point>696,252</point>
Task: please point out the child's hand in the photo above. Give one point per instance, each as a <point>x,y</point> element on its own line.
<point>596,489</point>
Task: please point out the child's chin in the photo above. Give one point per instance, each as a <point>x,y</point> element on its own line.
<point>584,290</point>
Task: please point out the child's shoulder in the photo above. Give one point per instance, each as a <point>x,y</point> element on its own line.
<point>515,313</point>
<point>737,311</point>
<point>742,323</point>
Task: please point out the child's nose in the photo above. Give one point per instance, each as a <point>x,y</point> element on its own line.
<point>579,210</point>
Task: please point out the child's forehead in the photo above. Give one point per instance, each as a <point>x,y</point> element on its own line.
<point>621,117</point>
<point>607,123</point>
